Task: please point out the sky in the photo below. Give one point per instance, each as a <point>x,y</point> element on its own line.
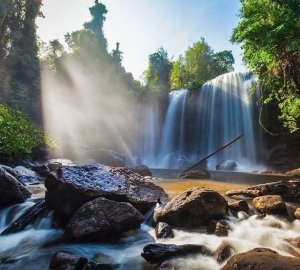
<point>143,26</point>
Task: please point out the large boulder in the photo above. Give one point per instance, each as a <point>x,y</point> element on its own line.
<point>101,219</point>
<point>11,191</point>
<point>194,207</point>
<point>261,259</point>
<point>270,204</point>
<point>72,186</point>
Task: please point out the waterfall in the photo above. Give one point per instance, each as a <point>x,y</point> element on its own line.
<point>225,110</point>
<point>173,133</point>
<point>197,124</point>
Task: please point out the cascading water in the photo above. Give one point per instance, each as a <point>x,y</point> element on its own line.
<point>195,127</point>
<point>173,133</point>
<point>223,112</point>
<point>33,248</point>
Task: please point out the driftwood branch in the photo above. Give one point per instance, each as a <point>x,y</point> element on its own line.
<point>213,153</point>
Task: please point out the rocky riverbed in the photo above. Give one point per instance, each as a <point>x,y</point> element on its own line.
<point>100,217</point>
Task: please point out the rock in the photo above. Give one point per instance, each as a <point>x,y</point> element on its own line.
<point>219,228</point>
<point>28,177</point>
<point>154,253</point>
<point>229,165</point>
<point>297,213</point>
<point>9,170</point>
<point>100,219</point>
<point>261,259</point>
<point>66,261</point>
<point>270,204</point>
<point>142,170</point>
<point>163,230</point>
<point>59,161</point>
<point>41,153</point>
<point>26,218</point>
<point>11,191</point>
<point>195,174</point>
<point>105,157</point>
<point>288,190</point>
<point>101,262</point>
<point>194,207</point>
<point>222,253</point>
<point>238,206</point>
<point>72,186</point>
<point>294,172</point>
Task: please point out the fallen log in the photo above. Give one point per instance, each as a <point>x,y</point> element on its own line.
<point>213,153</point>
<point>25,219</point>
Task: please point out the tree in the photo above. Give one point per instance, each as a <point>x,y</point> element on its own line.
<point>198,65</point>
<point>269,35</point>
<point>158,72</point>
<point>20,74</point>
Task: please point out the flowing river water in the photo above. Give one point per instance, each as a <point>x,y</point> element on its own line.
<point>33,248</point>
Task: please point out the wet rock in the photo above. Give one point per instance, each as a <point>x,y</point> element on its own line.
<point>41,153</point>
<point>26,218</point>
<point>11,191</point>
<point>28,177</point>
<point>229,165</point>
<point>238,206</point>
<point>261,259</point>
<point>26,172</point>
<point>219,228</point>
<point>66,261</point>
<point>154,253</point>
<point>41,169</point>
<point>72,186</point>
<point>196,174</point>
<point>105,157</point>
<point>288,190</point>
<point>270,204</point>
<point>222,253</point>
<point>101,262</point>
<point>10,170</point>
<point>163,230</point>
<point>100,219</point>
<point>59,161</point>
<point>194,207</point>
<point>297,213</point>
<point>142,170</point>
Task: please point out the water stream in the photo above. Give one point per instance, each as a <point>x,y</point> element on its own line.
<point>33,248</point>
<point>197,123</point>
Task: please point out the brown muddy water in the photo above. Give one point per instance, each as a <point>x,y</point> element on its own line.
<point>220,181</point>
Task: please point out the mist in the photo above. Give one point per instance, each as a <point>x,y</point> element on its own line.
<point>87,111</point>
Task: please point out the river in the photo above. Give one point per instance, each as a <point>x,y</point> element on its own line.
<point>33,248</point>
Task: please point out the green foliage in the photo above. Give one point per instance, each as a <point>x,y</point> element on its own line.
<point>198,65</point>
<point>18,136</point>
<point>158,72</point>
<point>19,63</point>
<point>269,34</point>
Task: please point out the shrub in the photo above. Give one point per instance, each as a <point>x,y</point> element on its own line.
<point>18,136</point>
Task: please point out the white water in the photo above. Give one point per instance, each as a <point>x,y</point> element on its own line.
<point>193,130</point>
<point>28,250</point>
